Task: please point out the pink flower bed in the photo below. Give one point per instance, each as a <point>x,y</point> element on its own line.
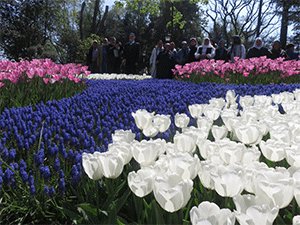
<point>245,67</point>
<point>44,68</point>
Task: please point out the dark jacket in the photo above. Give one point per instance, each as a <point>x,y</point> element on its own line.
<point>222,54</point>
<point>255,52</point>
<point>165,64</point>
<point>277,54</point>
<point>191,55</point>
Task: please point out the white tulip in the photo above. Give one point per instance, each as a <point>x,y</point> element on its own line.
<point>141,182</point>
<point>150,131</point>
<point>161,145</point>
<point>143,118</point>
<point>251,155</point>
<point>123,136</point>
<point>250,172</point>
<point>218,103</point>
<point>283,97</point>
<point>246,101</point>
<point>199,135</point>
<point>172,192</point>
<point>204,123</point>
<point>184,165</point>
<point>293,155</point>
<point>230,122</point>
<point>274,186</point>
<point>207,148</point>
<point>296,178</point>
<point>161,122</point>
<point>123,150</point>
<point>181,120</point>
<point>145,152</point>
<point>295,131</point>
<point>184,143</point>
<point>297,94</point>
<point>196,110</point>
<point>210,213</point>
<point>262,100</point>
<point>281,132</point>
<point>273,150</point>
<point>230,151</point>
<point>206,168</point>
<point>112,164</point>
<point>219,132</point>
<point>212,112</point>
<point>228,180</point>
<point>296,220</point>
<point>91,166</point>
<point>248,133</point>
<point>251,211</point>
<point>230,97</point>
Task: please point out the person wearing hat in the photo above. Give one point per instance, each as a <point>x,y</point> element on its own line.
<point>182,54</point>
<point>290,51</point>
<point>205,51</point>
<point>221,51</point>
<point>131,55</point>
<point>277,51</point>
<point>237,49</point>
<point>258,50</point>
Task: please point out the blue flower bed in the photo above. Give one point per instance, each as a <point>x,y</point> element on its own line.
<point>41,146</point>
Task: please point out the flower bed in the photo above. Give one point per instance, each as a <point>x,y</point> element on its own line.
<point>41,151</point>
<point>29,82</point>
<point>255,71</point>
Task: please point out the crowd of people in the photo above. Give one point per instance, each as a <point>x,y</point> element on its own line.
<point>113,57</point>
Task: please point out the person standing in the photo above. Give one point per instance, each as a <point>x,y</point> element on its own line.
<point>165,63</point>
<point>182,54</point>
<point>205,51</point>
<point>114,56</point>
<point>155,52</point>
<point>221,51</point>
<point>104,52</point>
<point>277,51</point>
<point>237,49</point>
<point>93,58</point>
<point>258,50</point>
<point>193,48</point>
<point>131,55</point>
<point>290,51</point>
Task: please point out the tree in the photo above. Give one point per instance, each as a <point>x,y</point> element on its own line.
<point>92,18</point>
<point>289,11</point>
<point>26,27</point>
<point>246,18</point>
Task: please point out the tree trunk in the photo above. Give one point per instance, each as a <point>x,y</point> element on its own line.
<point>284,23</point>
<point>259,22</point>
<point>95,16</point>
<point>81,20</point>
<point>101,25</point>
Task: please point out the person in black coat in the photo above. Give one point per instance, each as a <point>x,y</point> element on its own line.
<point>193,48</point>
<point>131,55</point>
<point>165,63</point>
<point>277,51</point>
<point>258,50</point>
<point>114,56</point>
<point>222,52</point>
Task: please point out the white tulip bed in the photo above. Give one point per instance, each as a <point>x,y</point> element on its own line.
<point>115,76</point>
<point>231,150</point>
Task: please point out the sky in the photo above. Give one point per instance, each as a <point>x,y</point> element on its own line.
<point>109,2</point>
